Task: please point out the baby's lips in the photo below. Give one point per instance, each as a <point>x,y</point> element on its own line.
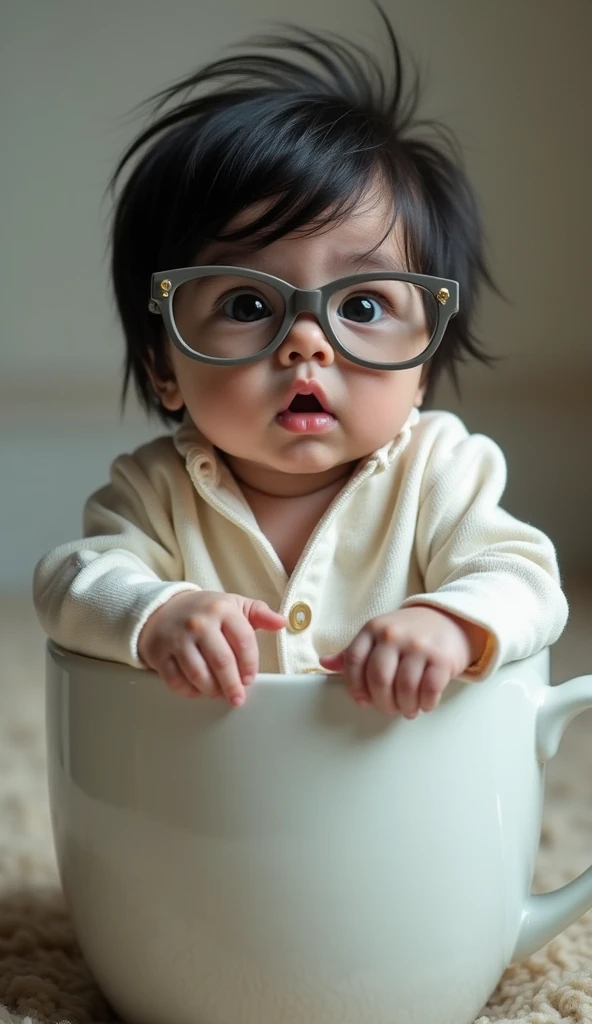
<point>307,387</point>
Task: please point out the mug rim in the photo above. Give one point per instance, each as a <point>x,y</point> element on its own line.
<point>68,658</point>
<point>71,659</point>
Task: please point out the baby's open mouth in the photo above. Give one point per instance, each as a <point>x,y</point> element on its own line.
<point>305,403</point>
<point>306,414</point>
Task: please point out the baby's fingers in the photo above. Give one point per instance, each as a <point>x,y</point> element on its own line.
<point>434,681</point>
<point>260,616</point>
<point>333,662</point>
<point>381,670</point>
<point>406,685</point>
<point>196,672</point>
<point>355,658</point>
<point>221,661</point>
<point>243,642</point>
<point>176,680</point>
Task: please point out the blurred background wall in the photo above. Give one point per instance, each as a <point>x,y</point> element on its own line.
<point>513,78</point>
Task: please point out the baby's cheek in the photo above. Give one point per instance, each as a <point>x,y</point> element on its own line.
<point>380,408</point>
<point>218,415</point>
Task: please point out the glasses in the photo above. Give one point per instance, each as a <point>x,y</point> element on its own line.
<point>230,316</point>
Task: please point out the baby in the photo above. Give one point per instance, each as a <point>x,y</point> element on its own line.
<point>294,267</point>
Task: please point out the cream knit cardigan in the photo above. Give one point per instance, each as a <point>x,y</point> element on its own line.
<point>419,522</point>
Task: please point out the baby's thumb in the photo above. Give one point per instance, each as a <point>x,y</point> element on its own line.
<point>261,616</point>
<point>334,662</point>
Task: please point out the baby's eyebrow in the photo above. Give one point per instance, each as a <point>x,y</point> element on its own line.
<point>339,264</point>
<point>363,261</point>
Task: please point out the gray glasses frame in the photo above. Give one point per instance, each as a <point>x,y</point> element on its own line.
<point>301,300</point>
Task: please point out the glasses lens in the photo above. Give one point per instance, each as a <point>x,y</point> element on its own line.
<point>384,321</point>
<point>226,316</point>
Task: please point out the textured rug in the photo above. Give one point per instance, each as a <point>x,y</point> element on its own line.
<point>43,978</point>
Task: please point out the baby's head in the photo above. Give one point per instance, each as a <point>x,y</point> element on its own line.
<point>298,161</point>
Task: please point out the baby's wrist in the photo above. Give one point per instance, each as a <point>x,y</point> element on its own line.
<point>478,639</point>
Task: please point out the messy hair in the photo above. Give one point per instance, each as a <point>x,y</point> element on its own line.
<point>307,123</point>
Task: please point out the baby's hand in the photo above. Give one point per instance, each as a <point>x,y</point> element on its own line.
<point>203,643</point>
<point>403,662</point>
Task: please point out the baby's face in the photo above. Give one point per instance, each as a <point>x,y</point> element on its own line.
<point>241,409</point>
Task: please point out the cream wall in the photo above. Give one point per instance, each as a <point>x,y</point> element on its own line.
<point>512,77</point>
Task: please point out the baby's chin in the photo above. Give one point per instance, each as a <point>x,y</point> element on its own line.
<point>310,469</point>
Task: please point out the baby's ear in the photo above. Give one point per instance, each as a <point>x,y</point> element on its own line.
<point>165,386</point>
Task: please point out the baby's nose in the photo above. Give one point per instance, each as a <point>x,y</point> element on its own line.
<point>306,341</point>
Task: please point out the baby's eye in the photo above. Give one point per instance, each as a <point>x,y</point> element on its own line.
<point>361,309</point>
<point>246,308</point>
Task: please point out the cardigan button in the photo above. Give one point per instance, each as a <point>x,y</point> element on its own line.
<point>299,616</point>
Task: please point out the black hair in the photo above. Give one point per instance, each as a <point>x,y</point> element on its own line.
<point>307,123</point>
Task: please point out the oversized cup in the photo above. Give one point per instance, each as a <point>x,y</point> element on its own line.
<point>300,859</point>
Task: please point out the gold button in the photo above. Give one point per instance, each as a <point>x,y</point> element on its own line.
<point>299,616</point>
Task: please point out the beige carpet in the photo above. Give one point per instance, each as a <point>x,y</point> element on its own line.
<point>42,975</point>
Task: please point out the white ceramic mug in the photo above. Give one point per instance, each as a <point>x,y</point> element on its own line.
<point>301,860</point>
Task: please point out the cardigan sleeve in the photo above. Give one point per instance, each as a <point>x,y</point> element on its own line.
<point>93,595</point>
<point>477,561</point>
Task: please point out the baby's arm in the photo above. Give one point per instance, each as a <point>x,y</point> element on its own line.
<point>120,593</point>
<point>491,594</point>
<point>94,595</point>
<point>478,562</point>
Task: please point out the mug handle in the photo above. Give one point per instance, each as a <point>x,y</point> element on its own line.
<point>547,914</point>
